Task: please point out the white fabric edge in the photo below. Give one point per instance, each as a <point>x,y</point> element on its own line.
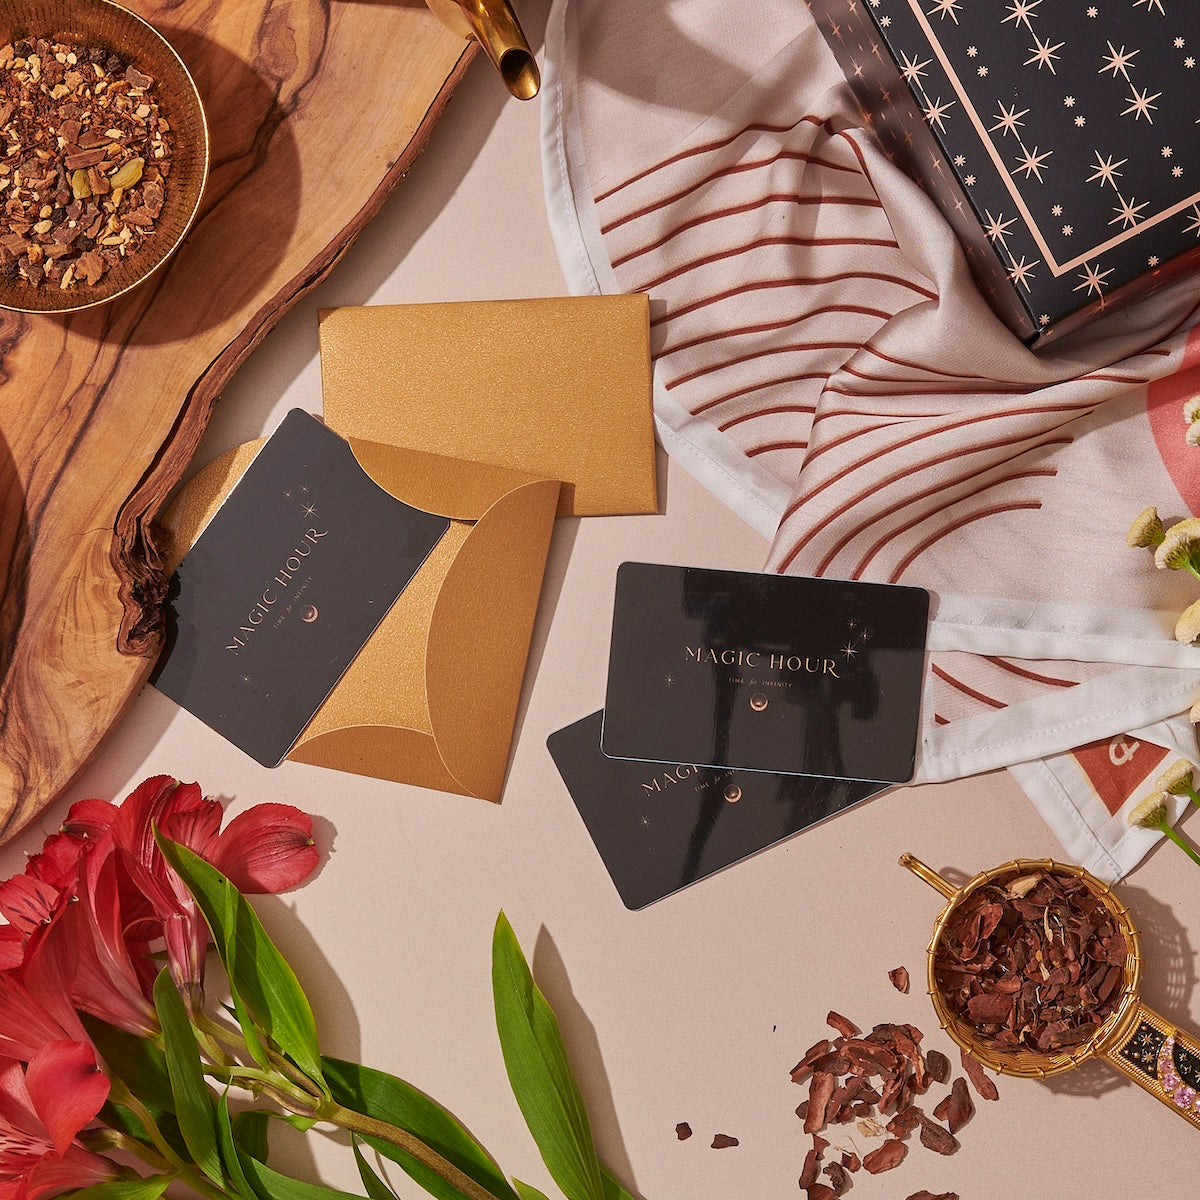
<point>579,244</point>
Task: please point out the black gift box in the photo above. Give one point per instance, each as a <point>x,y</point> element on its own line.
<point>1058,137</point>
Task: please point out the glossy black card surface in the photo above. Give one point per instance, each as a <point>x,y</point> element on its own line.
<point>284,587</point>
<point>662,826</point>
<point>765,672</point>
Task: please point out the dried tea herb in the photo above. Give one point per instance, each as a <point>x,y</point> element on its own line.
<point>1035,963</point>
<point>84,164</point>
<point>683,1131</point>
<point>957,1108</point>
<point>722,1141</point>
<point>899,978</point>
<point>885,1158</point>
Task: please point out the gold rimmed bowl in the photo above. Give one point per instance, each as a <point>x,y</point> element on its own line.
<point>109,26</point>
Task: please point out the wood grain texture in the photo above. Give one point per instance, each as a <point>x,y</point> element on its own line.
<point>316,110</point>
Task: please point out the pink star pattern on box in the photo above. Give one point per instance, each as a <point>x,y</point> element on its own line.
<point>1071,128</point>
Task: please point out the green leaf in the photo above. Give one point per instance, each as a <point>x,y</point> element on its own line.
<point>270,1185</point>
<point>366,1090</point>
<point>528,1192</point>
<point>193,1101</point>
<point>613,1188</point>
<point>376,1188</point>
<point>258,974</point>
<point>229,1150</point>
<point>539,1072</point>
<point>250,1132</point>
<point>149,1188</point>
<point>138,1062</point>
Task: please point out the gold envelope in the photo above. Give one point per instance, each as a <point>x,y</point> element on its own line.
<point>432,698</point>
<point>559,387</point>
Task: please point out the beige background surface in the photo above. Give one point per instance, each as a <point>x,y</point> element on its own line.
<point>696,1008</point>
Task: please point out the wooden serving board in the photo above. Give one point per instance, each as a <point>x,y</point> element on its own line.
<point>316,110</point>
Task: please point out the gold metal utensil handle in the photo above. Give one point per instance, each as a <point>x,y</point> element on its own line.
<point>1161,1058</point>
<point>931,877</point>
<point>495,26</point>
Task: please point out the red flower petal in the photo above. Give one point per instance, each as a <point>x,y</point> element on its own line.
<point>89,818</point>
<point>267,848</point>
<point>27,903</point>
<point>12,947</point>
<point>67,1089</point>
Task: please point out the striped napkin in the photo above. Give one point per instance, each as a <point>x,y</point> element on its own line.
<point>824,363</point>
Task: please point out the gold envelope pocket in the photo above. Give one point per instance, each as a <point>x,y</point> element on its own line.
<point>431,699</point>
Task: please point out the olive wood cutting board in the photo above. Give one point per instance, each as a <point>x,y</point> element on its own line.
<point>316,110</point>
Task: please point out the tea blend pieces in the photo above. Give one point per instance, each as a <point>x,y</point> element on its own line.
<point>683,1131</point>
<point>869,1079</point>
<point>1036,963</point>
<point>722,1141</point>
<point>83,167</point>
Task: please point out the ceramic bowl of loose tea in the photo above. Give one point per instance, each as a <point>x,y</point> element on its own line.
<point>1033,965</point>
<point>103,153</point>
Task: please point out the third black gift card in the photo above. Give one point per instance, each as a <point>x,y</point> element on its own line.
<point>765,672</point>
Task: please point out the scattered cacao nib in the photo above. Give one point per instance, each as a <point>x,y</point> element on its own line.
<point>838,1179</point>
<point>984,1084</point>
<point>851,1161</point>
<point>812,1165</point>
<point>722,1141</point>
<point>804,1067</point>
<point>683,1131</point>
<point>885,1157</point>
<point>802,1109</point>
<point>1032,963</point>
<point>821,1191</point>
<point>937,1066</point>
<point>957,1108</point>
<point>924,1195</point>
<point>899,978</point>
<point>85,152</point>
<point>846,1028</point>
<point>905,1121</point>
<point>937,1138</point>
<point>819,1092</point>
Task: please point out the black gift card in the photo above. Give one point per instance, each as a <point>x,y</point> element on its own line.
<point>765,672</point>
<point>284,587</point>
<point>662,826</point>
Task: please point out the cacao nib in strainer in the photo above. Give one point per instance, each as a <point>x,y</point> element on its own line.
<point>1035,962</point>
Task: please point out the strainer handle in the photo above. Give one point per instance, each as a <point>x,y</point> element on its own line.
<point>931,877</point>
<point>1161,1058</point>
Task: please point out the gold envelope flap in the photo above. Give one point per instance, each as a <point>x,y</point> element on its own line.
<point>432,698</point>
<point>556,386</point>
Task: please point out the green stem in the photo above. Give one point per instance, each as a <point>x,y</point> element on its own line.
<point>1190,851</point>
<point>101,1140</point>
<point>359,1123</point>
<point>1191,794</point>
<point>120,1094</point>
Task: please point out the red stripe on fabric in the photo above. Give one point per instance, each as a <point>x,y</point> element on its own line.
<point>940,720</point>
<point>1033,472</point>
<point>708,147</point>
<point>904,362</point>
<point>843,412</point>
<point>724,173</point>
<point>941,429</point>
<point>878,485</point>
<point>920,549</point>
<point>790,281</point>
<point>755,451</point>
<point>738,210</point>
<point>1025,673</point>
<point>928,391</point>
<point>966,690</point>
<point>794,348</point>
<point>761,244</point>
<point>862,162</point>
<point>779,410</point>
<point>1113,377</point>
<point>758,387</point>
<point>769,326</point>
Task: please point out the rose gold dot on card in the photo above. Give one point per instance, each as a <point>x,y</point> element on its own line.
<point>758,702</point>
<point>733,793</point>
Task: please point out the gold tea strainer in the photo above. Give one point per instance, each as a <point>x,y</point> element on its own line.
<point>1134,1039</point>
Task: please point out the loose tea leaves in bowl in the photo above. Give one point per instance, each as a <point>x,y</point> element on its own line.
<point>86,152</point>
<point>1034,962</point>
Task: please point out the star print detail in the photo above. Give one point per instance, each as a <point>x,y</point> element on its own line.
<point>960,160</point>
<point>1106,170</point>
<point>1189,62</point>
<point>944,9</point>
<point>1022,272</point>
<point>1151,6</point>
<point>969,181</point>
<point>1067,230</point>
<point>1032,162</point>
<point>1044,319</point>
<point>997,227</point>
<point>1141,104</point>
<point>1093,280</point>
<point>1179,43</point>
<point>982,72</point>
<point>1176,172</point>
<point>1008,120</point>
<point>1057,211</point>
<point>1093,12</point>
<point>310,510</point>
<point>1019,12</point>
<point>1128,213</point>
<point>1118,61</point>
<point>1166,152</point>
<point>972,51</point>
<point>1044,54</point>
<point>1193,226</point>
<point>912,70</point>
<point>885,21</point>
<point>1080,122</point>
<point>935,114</point>
<point>1152,261</point>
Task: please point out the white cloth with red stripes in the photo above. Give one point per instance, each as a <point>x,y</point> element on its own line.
<point>823,362</point>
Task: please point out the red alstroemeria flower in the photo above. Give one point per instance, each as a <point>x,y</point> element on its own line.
<point>42,1110</point>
